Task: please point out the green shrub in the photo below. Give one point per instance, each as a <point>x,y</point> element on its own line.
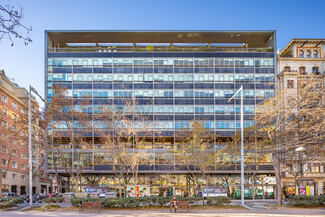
<point>47,200</point>
<point>133,202</point>
<point>219,201</point>
<point>10,202</point>
<point>307,201</point>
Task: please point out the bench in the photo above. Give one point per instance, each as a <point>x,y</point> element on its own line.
<point>179,204</point>
<point>90,205</point>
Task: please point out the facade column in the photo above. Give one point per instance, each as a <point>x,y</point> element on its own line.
<point>320,187</point>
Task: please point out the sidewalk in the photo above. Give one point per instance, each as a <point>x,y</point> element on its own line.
<point>180,213</point>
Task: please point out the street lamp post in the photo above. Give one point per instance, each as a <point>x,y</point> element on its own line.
<point>30,157</point>
<point>242,141</point>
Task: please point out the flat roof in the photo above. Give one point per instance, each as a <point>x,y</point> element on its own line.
<point>253,39</point>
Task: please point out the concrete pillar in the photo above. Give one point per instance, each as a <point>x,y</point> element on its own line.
<point>320,187</point>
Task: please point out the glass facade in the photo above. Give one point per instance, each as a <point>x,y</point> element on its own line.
<point>171,87</point>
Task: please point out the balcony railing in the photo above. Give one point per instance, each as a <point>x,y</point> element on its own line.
<point>165,49</point>
<point>143,168</point>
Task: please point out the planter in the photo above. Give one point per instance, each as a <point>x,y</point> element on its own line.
<point>67,197</point>
<point>93,195</point>
<point>81,195</point>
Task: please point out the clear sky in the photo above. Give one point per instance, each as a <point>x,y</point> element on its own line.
<point>290,18</point>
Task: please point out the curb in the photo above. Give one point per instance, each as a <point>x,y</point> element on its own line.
<point>27,208</point>
<point>9,209</point>
<point>247,207</point>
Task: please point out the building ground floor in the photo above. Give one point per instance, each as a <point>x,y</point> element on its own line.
<point>307,186</point>
<point>258,186</point>
<point>19,183</point>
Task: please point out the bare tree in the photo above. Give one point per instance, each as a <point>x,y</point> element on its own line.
<point>69,128</point>
<point>128,131</point>
<point>289,120</point>
<point>254,153</point>
<point>197,151</point>
<point>10,24</point>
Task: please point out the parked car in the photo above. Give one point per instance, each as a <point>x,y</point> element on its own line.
<point>12,195</point>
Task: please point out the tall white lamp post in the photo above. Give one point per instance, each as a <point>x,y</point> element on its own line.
<point>242,141</point>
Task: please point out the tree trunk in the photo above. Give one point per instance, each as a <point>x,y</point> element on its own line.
<point>135,176</point>
<point>201,186</point>
<point>296,186</point>
<point>253,188</point>
<point>119,186</point>
<point>0,183</point>
<point>207,186</point>
<point>276,165</point>
<point>76,185</point>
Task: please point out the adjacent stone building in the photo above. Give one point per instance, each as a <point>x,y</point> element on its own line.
<point>302,61</point>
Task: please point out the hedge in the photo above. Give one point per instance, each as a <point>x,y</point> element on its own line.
<point>10,202</point>
<point>127,202</point>
<point>219,201</point>
<point>307,201</point>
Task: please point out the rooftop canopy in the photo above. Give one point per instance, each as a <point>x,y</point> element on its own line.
<point>249,39</point>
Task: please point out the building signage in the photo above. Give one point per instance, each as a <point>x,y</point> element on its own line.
<point>140,191</point>
<point>302,190</point>
<point>215,191</point>
<point>96,190</point>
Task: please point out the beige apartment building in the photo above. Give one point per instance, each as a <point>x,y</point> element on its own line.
<point>302,61</point>
<point>14,141</point>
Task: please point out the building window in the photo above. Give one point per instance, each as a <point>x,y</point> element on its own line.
<point>14,105</point>
<point>4,111</point>
<point>316,168</point>
<point>4,98</point>
<point>23,166</point>
<point>308,54</point>
<point>315,54</point>
<point>301,53</point>
<point>287,68</point>
<point>14,152</point>
<point>4,162</point>
<point>290,84</point>
<point>22,111</point>
<point>13,164</point>
<point>315,69</point>
<point>4,175</point>
<point>42,175</point>
<point>4,124</point>
<point>14,176</point>
<point>289,167</point>
<point>23,177</point>
<point>23,156</point>
<point>14,117</point>
<point>302,70</point>
<point>4,149</point>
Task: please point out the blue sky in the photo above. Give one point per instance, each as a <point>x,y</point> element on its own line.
<point>291,19</point>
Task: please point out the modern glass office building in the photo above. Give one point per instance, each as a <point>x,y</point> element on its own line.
<point>185,75</point>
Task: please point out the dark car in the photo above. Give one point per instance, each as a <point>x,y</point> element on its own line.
<point>12,195</point>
